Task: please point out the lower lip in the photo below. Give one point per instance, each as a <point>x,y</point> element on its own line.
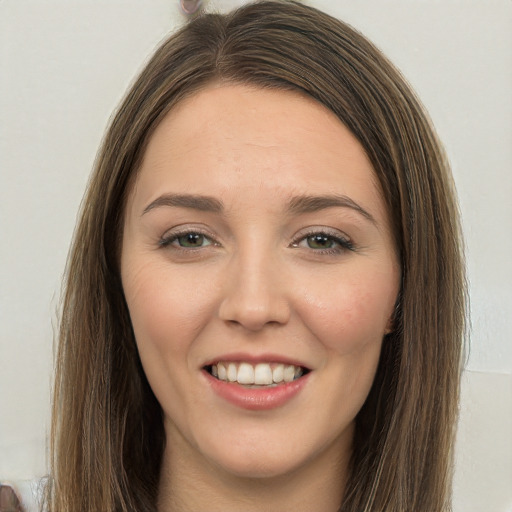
<point>256,399</point>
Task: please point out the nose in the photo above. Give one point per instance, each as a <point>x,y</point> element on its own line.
<point>254,293</point>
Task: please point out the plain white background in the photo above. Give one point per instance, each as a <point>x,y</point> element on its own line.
<point>64,66</point>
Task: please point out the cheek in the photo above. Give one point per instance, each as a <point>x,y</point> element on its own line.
<point>165,326</point>
<point>350,322</point>
<point>354,312</point>
<point>165,309</point>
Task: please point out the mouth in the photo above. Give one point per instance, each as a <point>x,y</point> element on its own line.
<point>260,375</point>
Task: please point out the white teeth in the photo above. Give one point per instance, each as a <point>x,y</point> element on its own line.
<point>262,374</point>
<point>221,369</point>
<point>289,373</point>
<point>232,372</point>
<point>278,373</point>
<point>245,374</point>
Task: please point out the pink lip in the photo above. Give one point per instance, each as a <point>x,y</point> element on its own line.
<point>256,399</point>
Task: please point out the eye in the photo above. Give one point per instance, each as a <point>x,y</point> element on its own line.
<point>186,240</point>
<point>324,242</point>
<point>320,241</point>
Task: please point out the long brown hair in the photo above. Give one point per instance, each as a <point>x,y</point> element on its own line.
<point>107,432</point>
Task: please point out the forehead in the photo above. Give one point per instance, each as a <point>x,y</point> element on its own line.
<point>237,141</point>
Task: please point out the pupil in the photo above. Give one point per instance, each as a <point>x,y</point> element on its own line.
<point>319,241</point>
<point>191,240</point>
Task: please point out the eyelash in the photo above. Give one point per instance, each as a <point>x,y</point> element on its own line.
<point>167,241</point>
<point>342,243</point>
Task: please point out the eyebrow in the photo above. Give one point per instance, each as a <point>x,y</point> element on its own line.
<point>297,204</point>
<point>308,204</point>
<point>195,202</point>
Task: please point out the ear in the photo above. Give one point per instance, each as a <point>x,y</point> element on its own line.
<point>391,323</point>
<point>390,326</point>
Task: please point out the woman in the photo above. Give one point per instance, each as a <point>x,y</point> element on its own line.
<point>265,297</point>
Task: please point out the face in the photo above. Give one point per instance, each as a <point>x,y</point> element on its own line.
<point>260,275</point>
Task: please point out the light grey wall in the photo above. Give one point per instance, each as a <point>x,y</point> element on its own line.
<point>64,66</point>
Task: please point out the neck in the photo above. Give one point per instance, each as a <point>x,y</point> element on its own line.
<point>186,486</point>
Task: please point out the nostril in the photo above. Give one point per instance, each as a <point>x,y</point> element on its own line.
<point>254,317</point>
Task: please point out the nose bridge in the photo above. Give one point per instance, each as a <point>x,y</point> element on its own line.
<point>255,295</point>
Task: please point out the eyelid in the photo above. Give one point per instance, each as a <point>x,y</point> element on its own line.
<point>344,241</point>
<point>174,233</point>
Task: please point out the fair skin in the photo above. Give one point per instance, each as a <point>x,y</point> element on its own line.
<point>256,238</point>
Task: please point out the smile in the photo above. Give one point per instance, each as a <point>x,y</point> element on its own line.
<point>256,386</point>
<point>260,374</point>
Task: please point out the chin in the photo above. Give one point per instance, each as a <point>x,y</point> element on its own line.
<point>261,466</point>
<point>267,458</point>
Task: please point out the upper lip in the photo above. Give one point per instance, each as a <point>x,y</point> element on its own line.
<point>255,359</point>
